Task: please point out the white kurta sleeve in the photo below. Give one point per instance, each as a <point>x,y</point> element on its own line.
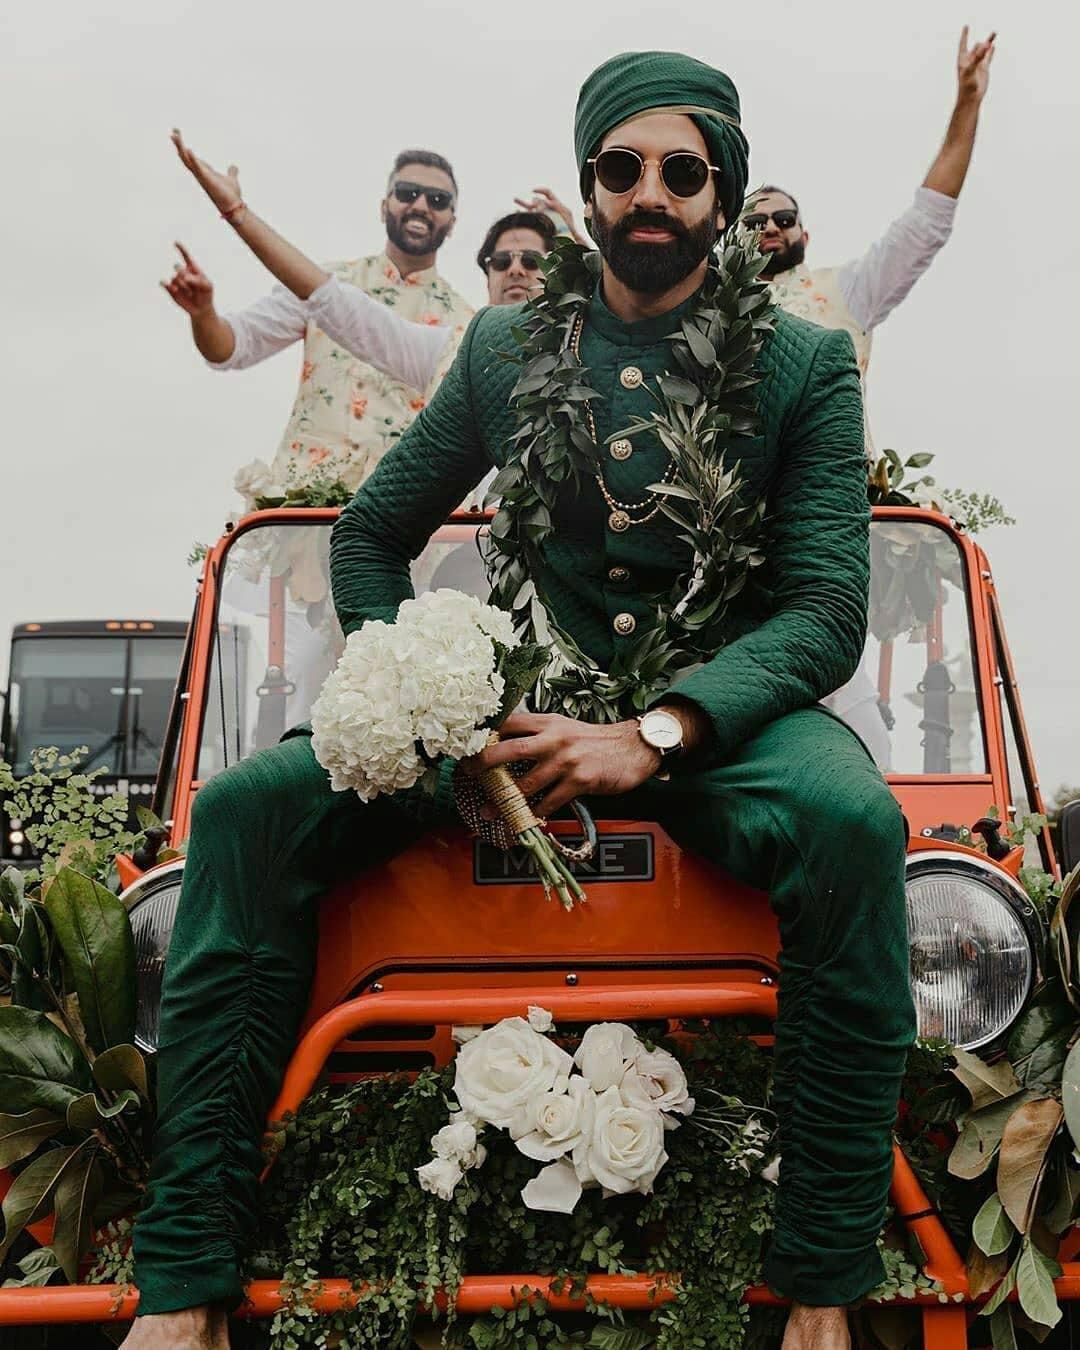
<point>874,284</point>
<point>400,348</point>
<point>268,326</point>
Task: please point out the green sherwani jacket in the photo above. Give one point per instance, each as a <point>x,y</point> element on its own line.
<point>796,640</point>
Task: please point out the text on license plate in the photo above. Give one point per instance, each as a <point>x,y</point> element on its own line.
<point>618,857</point>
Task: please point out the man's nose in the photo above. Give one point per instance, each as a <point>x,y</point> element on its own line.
<point>516,268</point>
<point>650,194</point>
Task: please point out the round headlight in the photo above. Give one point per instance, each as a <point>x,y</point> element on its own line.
<point>151,902</point>
<point>974,943</point>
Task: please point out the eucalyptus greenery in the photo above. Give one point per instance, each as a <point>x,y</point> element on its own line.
<point>704,407</point>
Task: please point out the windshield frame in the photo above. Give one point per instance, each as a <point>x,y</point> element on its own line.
<point>195,698</point>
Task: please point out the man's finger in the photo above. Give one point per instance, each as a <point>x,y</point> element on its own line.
<point>540,776</point>
<point>506,752</point>
<point>186,256</point>
<point>525,724</point>
<point>963,40</point>
<point>554,800</point>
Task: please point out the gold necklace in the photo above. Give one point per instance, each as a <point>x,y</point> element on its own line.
<point>620,518</point>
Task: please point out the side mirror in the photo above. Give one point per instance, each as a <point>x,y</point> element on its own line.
<point>1069,835</point>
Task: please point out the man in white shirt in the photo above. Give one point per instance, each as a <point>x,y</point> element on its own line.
<point>348,409</point>
<point>862,293</point>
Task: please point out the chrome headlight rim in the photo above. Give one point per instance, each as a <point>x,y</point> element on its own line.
<point>1006,889</point>
<point>142,890</point>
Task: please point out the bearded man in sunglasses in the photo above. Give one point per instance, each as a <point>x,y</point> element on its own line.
<point>862,293</point>
<point>734,758</point>
<point>348,409</point>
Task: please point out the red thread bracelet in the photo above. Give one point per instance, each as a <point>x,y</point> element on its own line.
<point>232,210</point>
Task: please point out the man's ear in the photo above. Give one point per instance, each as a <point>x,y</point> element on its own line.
<point>805,237</point>
<point>721,222</point>
<point>382,210</point>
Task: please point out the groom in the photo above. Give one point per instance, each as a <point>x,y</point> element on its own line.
<point>757,778</point>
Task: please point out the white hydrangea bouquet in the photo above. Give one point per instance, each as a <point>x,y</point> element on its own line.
<point>597,1118</point>
<point>438,681</point>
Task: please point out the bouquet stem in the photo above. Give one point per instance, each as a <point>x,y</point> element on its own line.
<point>508,800</point>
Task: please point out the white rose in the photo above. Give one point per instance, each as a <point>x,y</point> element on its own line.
<point>626,1150</point>
<point>440,1176</point>
<point>606,1051</point>
<point>457,1142</point>
<point>540,1019</point>
<point>459,1035</point>
<point>505,1068</point>
<point>656,1079</point>
<point>556,1123</point>
<point>555,1188</point>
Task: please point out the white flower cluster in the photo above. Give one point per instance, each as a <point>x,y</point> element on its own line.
<point>256,479</point>
<point>428,679</point>
<point>597,1119</point>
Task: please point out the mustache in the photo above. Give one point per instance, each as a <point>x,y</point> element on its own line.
<point>656,220</point>
<point>415,215</point>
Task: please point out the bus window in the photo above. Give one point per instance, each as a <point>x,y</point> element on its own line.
<point>154,663</point>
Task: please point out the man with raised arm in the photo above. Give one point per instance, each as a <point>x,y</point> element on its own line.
<point>862,293</point>
<point>733,758</point>
<point>348,412</point>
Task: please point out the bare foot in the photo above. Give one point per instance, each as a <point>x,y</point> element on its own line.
<point>191,1329</point>
<point>816,1329</point>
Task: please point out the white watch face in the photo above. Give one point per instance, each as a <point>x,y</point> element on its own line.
<point>662,730</point>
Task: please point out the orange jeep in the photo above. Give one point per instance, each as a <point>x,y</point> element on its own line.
<point>937,700</point>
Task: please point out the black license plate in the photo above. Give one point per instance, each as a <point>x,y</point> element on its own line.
<point>618,857</point>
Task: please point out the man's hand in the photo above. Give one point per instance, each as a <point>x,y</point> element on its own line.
<point>189,286</point>
<point>572,759</point>
<point>973,68</point>
<point>223,189</point>
<point>544,200</point>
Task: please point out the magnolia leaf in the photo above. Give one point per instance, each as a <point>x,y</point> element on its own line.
<point>1048,1011</point>
<point>983,1272</point>
<point>38,1267</point>
<point>986,1082</point>
<point>1070,1093</point>
<point>39,1065</point>
<point>20,1135</point>
<point>122,1067</point>
<point>1035,1285</point>
<point>980,1138</point>
<point>76,1197</point>
<point>1059,1213</point>
<point>1043,1067</point>
<point>1002,1292</point>
<point>28,1198</point>
<point>1024,1144</point>
<point>991,1228</point>
<point>1022,1322</point>
<point>94,931</point>
<point>87,1112</point>
<point>1002,1332</point>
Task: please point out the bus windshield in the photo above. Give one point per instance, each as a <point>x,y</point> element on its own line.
<point>110,695</point>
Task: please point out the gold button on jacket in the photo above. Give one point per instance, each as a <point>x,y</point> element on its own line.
<point>621,449</point>
<point>624,624</point>
<point>630,377</point>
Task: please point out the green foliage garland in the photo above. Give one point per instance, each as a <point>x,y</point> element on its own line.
<point>703,409</point>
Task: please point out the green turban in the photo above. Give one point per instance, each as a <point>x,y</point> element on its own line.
<point>639,82</point>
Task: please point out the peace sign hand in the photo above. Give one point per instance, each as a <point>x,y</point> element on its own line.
<point>189,286</point>
<point>973,67</point>
<point>223,189</point>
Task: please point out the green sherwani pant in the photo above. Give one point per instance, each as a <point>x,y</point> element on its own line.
<point>799,811</point>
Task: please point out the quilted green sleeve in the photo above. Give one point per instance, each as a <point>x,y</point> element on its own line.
<point>817,546</point>
<point>416,486</point>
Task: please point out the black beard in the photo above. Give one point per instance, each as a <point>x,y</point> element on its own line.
<point>395,232</point>
<point>784,259</point>
<point>652,268</point>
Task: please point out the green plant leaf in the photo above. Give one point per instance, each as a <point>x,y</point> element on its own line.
<point>991,1228</point>
<point>1035,1286</point>
<point>20,1135</point>
<point>29,1197</point>
<point>1070,1093</point>
<point>1002,1332</point>
<point>120,1067</point>
<point>94,932</point>
<point>1048,1012</point>
<point>980,1138</point>
<point>1024,1144</point>
<point>75,1199</point>
<point>39,1065</point>
<point>1002,1292</point>
<point>38,1267</point>
<point>87,1112</point>
<point>987,1083</point>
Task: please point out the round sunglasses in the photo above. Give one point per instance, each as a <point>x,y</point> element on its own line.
<point>783,220</point>
<point>437,198</point>
<point>503,257</point>
<point>682,172</point>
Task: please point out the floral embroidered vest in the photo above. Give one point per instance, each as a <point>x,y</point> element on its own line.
<point>348,414</point>
<point>815,294</point>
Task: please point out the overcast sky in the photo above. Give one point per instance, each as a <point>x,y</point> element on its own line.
<point>119,447</point>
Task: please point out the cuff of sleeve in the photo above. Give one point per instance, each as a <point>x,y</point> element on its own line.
<point>322,296</point>
<point>236,358</point>
<point>939,206</point>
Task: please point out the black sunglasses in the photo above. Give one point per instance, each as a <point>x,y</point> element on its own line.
<point>784,220</point>
<point>682,172</point>
<point>501,260</point>
<point>437,198</point>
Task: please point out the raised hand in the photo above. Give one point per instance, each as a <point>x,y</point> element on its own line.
<point>543,199</point>
<point>973,67</point>
<point>223,189</point>
<point>189,285</point>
